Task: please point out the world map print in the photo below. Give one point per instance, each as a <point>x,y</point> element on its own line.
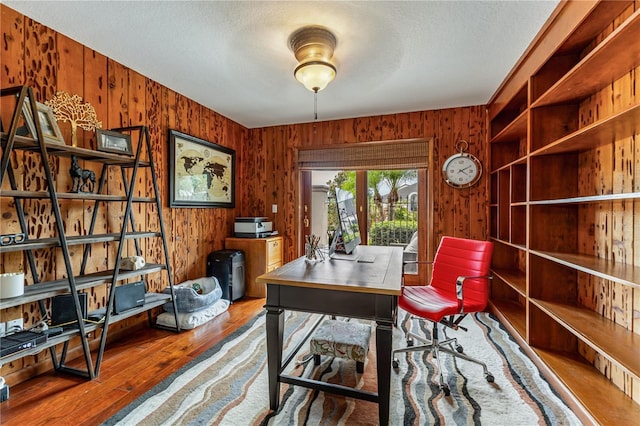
<point>202,173</point>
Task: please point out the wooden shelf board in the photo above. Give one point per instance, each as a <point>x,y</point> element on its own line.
<point>609,339</point>
<point>521,160</point>
<point>588,199</point>
<point>514,278</point>
<point>51,341</point>
<point>74,240</point>
<point>513,314</point>
<point>151,300</point>
<point>516,129</point>
<point>30,144</point>
<point>597,21</point>
<point>596,394</point>
<point>603,268</point>
<point>515,102</point>
<point>603,132</point>
<point>616,55</point>
<point>44,290</point>
<point>509,243</point>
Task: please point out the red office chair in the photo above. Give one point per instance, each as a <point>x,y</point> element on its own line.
<point>459,286</point>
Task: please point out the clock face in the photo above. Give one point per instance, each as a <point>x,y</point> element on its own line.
<point>462,170</point>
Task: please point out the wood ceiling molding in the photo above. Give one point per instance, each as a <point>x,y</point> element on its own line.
<point>395,154</point>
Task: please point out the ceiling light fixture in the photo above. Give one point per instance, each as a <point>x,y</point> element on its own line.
<point>313,47</point>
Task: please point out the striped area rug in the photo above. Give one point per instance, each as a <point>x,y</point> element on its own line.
<point>227,385</point>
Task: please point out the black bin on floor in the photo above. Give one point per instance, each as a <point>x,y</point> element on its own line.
<point>228,267</point>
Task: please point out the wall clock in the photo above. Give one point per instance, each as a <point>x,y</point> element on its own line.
<point>462,170</point>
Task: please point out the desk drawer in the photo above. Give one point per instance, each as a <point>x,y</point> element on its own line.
<point>274,252</point>
<point>273,266</point>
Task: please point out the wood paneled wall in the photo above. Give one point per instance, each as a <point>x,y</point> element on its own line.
<point>49,62</point>
<point>275,175</point>
<point>35,55</point>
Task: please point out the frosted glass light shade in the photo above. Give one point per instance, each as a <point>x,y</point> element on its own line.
<point>315,75</point>
<point>313,47</point>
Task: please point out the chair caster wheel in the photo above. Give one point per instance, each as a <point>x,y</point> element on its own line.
<point>460,349</point>
<point>446,390</point>
<point>489,377</point>
<point>395,363</point>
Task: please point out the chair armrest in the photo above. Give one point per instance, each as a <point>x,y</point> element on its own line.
<point>460,284</point>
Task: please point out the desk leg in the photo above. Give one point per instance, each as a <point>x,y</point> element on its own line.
<point>275,330</point>
<point>384,342</point>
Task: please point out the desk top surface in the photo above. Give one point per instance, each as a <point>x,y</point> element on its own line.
<point>382,276</point>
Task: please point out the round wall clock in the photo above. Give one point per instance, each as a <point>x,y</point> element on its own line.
<point>462,170</point>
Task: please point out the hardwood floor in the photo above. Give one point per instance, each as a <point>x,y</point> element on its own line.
<point>131,366</point>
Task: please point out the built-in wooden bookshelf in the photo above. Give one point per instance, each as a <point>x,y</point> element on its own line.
<point>565,205</point>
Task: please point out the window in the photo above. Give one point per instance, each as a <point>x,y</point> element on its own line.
<point>320,164</point>
<point>391,215</point>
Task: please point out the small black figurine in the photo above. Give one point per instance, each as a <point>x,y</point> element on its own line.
<point>83,180</point>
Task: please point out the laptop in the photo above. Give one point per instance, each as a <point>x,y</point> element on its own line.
<point>349,257</point>
<point>335,242</point>
<point>63,313</point>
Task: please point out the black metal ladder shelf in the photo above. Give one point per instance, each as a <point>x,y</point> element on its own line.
<point>72,283</point>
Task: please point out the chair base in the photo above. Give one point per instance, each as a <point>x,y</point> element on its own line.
<point>436,346</point>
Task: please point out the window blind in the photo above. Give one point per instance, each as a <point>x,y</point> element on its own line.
<point>396,154</point>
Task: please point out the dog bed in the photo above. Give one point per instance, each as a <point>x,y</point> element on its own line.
<point>189,320</point>
<point>194,295</point>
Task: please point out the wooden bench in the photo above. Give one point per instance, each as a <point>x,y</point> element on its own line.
<point>343,339</point>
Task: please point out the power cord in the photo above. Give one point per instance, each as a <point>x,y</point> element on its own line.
<point>39,327</point>
<point>12,330</point>
<point>43,328</point>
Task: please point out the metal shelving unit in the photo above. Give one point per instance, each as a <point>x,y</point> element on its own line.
<point>74,282</point>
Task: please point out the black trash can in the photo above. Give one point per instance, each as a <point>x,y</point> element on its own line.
<point>228,267</point>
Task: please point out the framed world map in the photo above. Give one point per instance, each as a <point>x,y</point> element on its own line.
<point>201,173</point>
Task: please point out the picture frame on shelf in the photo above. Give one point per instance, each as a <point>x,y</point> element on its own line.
<point>201,173</point>
<point>114,142</point>
<point>48,123</point>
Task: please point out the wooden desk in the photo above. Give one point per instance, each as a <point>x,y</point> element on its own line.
<point>336,287</point>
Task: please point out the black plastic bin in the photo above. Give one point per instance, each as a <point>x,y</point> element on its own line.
<point>229,268</point>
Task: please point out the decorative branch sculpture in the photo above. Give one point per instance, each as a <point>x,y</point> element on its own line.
<point>70,108</point>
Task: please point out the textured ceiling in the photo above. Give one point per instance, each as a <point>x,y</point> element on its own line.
<point>234,58</point>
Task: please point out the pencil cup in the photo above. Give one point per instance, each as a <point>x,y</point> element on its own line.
<point>311,254</point>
